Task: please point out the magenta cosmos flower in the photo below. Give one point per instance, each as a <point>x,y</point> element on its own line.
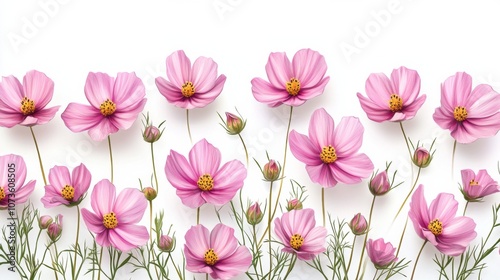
<point>331,154</point>
<point>437,223</point>
<point>291,83</point>
<point>298,232</point>
<point>12,177</point>
<point>216,252</point>
<point>64,188</point>
<point>468,114</point>
<point>394,99</point>
<point>201,179</point>
<point>380,253</point>
<point>114,105</point>
<point>475,187</point>
<point>189,86</point>
<point>25,104</point>
<point>114,219</point>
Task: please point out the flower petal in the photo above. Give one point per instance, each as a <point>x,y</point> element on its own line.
<point>352,169</point>
<point>267,93</point>
<point>406,83</point>
<point>227,181</point>
<point>223,242</point>
<point>178,68</point>
<point>11,93</point>
<point>39,88</point>
<point>322,175</point>
<point>321,129</point>
<point>237,263</point>
<point>419,214</point>
<point>102,130</point>
<point>302,148</point>
<point>98,88</point>
<point>92,221</point>
<point>443,207</point>
<point>124,119</point>
<point>130,206</point>
<point>42,116</point>
<point>379,88</point>
<point>103,198</point>
<point>81,178</point>
<point>204,158</point>
<point>203,74</point>
<point>348,137</point>
<point>309,67</point>
<point>128,91</point>
<point>79,117</point>
<point>202,99</point>
<point>59,177</point>
<point>197,240</point>
<point>456,90</point>
<point>279,70</point>
<point>128,237</point>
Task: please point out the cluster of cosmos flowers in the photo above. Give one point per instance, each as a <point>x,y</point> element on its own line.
<point>329,151</point>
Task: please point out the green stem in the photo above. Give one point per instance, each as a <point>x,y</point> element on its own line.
<point>175,266</point>
<point>366,237</point>
<point>76,242</point>
<point>254,234</point>
<point>350,257</point>
<point>290,267</point>
<point>54,263</point>
<point>406,139</point>
<point>323,205</point>
<point>402,236</point>
<point>100,264</point>
<point>416,261</point>
<point>244,147</point>
<point>154,167</point>
<point>282,174</point>
<point>269,231</point>
<point>110,157</point>
<point>39,157</point>
<point>375,275</point>
<point>188,127</point>
<point>409,193</point>
<point>465,208</point>
<point>198,215</point>
<point>453,158</point>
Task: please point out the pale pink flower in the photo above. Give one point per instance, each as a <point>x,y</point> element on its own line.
<point>64,188</point>
<point>437,223</point>
<point>216,252</point>
<point>475,187</point>
<point>395,99</point>
<point>189,86</point>
<point>115,219</point>
<point>331,154</point>
<point>380,253</point>
<point>25,104</point>
<point>291,83</point>
<point>468,114</point>
<point>12,177</point>
<point>201,179</point>
<point>298,232</point>
<point>114,105</point>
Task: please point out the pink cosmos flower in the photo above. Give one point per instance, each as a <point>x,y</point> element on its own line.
<point>64,188</point>
<point>291,83</point>
<point>475,187</point>
<point>114,105</point>
<point>25,104</point>
<point>114,219</point>
<point>437,223</point>
<point>12,177</point>
<point>189,86</point>
<point>331,155</point>
<point>299,234</point>
<point>216,252</point>
<point>201,179</point>
<point>395,99</point>
<point>468,114</point>
<point>380,253</point>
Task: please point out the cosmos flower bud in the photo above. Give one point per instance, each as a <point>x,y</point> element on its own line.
<point>151,134</point>
<point>421,157</point>
<point>379,185</point>
<point>166,243</point>
<point>55,229</point>
<point>254,214</point>
<point>358,224</point>
<point>149,193</point>
<point>293,204</point>
<point>45,221</point>
<point>234,124</point>
<point>271,171</point>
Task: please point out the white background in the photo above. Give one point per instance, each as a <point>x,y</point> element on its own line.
<point>67,39</point>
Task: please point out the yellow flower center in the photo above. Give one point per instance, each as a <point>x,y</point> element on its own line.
<point>436,227</point>
<point>211,257</point>
<point>109,221</point>
<point>473,183</point>
<point>293,87</point>
<point>395,103</point>
<point>2,193</point>
<point>68,192</point>
<point>460,113</point>
<point>27,106</point>
<point>296,241</point>
<point>328,154</point>
<point>187,89</point>
<point>107,108</point>
<point>205,182</point>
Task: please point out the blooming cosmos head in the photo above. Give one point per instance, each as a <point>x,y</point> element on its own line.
<point>12,177</point>
<point>201,179</point>
<point>298,232</point>
<point>64,188</point>
<point>468,114</point>
<point>216,253</point>
<point>395,99</point>
<point>331,154</point>
<point>291,83</point>
<point>189,86</point>
<point>114,105</point>
<point>437,223</point>
<point>114,220</point>
<point>380,253</point>
<point>25,104</point>
<point>475,187</point>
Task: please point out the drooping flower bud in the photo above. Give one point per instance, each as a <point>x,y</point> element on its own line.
<point>149,193</point>
<point>379,185</point>
<point>358,224</point>
<point>254,214</point>
<point>45,221</point>
<point>55,229</point>
<point>421,157</point>
<point>166,243</point>
<point>151,134</point>
<point>271,171</point>
<point>293,204</point>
